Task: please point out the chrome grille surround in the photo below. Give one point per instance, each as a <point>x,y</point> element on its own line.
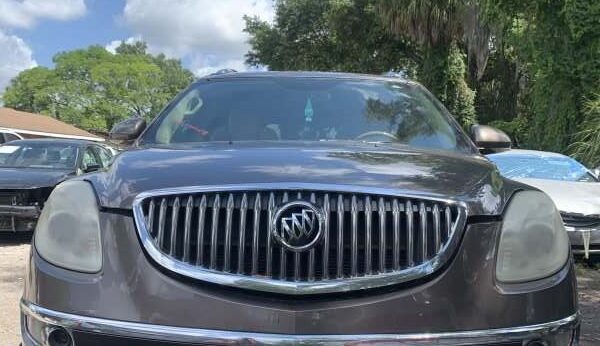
<point>229,215</point>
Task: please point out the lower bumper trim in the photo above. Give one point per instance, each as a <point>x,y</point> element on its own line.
<point>566,327</point>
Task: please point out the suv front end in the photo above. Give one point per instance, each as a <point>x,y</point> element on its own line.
<point>298,242</point>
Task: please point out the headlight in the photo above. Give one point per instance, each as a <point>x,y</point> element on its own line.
<point>68,231</point>
<point>533,242</point>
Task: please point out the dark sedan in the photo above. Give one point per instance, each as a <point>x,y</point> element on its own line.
<point>30,169</point>
<point>300,209</point>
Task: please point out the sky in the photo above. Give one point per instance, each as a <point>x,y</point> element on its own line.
<point>205,34</point>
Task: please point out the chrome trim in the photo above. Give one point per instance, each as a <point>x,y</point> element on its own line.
<point>242,236</point>
<point>340,284</point>
<point>340,239</point>
<point>220,337</point>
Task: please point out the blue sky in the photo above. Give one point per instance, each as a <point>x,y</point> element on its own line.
<point>206,34</point>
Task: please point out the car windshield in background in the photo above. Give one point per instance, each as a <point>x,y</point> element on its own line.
<point>38,155</point>
<point>554,167</point>
<point>307,109</point>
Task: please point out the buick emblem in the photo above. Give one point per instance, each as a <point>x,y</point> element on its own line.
<point>297,225</point>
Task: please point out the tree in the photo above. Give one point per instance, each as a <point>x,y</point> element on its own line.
<point>440,28</point>
<point>93,89</point>
<point>331,35</point>
<point>556,45</point>
<point>362,36</point>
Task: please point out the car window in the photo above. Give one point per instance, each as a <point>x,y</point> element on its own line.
<point>554,167</point>
<point>105,156</point>
<point>89,159</point>
<point>50,155</point>
<point>308,109</point>
<point>10,137</point>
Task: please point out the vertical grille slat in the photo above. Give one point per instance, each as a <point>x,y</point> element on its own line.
<point>436,228</point>
<point>271,212</point>
<point>228,226</point>
<point>162,214</point>
<point>282,251</point>
<point>396,251</point>
<point>340,237</point>
<point>242,239</point>
<point>368,230</point>
<point>214,233</point>
<point>409,234</point>
<point>150,216</point>
<point>354,237</point>
<point>326,211</point>
<point>200,241</point>
<point>255,234</point>
<point>423,231</point>
<point>187,228</point>
<point>382,235</point>
<point>363,234</point>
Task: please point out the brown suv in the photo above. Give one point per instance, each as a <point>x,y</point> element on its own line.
<point>300,209</point>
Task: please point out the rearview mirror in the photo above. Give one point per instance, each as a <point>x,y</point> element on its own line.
<point>128,129</point>
<point>92,168</point>
<point>489,139</point>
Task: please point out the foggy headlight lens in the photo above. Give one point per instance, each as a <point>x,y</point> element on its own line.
<point>533,242</point>
<point>68,231</point>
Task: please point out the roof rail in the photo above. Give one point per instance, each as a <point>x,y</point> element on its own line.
<point>222,71</point>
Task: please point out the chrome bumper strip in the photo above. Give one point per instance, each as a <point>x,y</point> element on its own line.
<point>219,337</point>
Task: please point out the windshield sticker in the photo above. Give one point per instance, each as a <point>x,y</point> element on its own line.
<point>308,111</point>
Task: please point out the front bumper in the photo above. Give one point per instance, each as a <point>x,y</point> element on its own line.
<point>18,218</point>
<point>97,331</point>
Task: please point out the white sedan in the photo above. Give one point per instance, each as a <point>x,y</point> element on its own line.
<point>574,189</point>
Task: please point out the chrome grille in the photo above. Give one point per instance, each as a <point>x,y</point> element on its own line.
<point>370,238</point>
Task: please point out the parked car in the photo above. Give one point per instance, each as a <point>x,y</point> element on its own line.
<point>574,189</point>
<point>29,171</point>
<point>300,208</point>
<point>8,135</point>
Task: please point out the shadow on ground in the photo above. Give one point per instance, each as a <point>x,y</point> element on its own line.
<point>11,239</point>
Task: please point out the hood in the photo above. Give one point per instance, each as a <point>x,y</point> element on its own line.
<point>469,178</point>
<point>28,178</point>
<point>570,196</point>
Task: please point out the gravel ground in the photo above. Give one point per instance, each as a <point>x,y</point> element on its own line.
<point>14,251</point>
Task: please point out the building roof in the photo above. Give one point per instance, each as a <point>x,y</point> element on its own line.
<point>41,125</point>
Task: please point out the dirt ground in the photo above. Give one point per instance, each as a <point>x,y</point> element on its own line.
<point>14,251</point>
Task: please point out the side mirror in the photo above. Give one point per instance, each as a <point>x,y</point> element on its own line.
<point>489,139</point>
<point>92,168</point>
<point>596,172</point>
<point>128,129</point>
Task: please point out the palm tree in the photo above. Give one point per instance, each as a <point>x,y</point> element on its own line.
<point>441,28</point>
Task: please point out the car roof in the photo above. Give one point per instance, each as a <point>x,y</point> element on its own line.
<point>76,142</point>
<point>530,153</point>
<point>305,74</point>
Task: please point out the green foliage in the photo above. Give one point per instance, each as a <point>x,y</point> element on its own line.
<point>93,89</point>
<point>557,45</point>
<point>355,36</point>
<point>587,141</point>
<point>331,35</point>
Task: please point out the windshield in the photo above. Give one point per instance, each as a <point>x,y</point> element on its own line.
<point>38,155</point>
<point>554,167</point>
<point>307,109</point>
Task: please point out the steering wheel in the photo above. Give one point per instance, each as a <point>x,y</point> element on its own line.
<point>377,133</point>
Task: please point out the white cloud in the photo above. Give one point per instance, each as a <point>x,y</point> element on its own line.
<point>113,45</point>
<point>207,32</point>
<point>15,56</point>
<point>25,13</point>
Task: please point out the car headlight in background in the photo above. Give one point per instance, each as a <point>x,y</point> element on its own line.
<point>533,243</point>
<point>68,230</point>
